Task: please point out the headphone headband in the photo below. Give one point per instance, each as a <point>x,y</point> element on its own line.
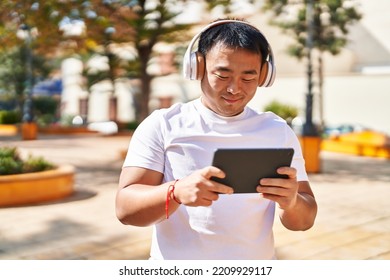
<point>194,61</point>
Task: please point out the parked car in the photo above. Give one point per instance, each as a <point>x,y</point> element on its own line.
<point>330,131</point>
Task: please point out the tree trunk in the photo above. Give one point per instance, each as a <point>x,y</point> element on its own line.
<point>146,79</point>
<point>112,103</point>
<point>321,91</point>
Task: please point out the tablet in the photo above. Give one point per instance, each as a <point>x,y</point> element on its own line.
<point>245,167</point>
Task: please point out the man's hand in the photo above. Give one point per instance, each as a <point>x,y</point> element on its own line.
<point>198,190</point>
<point>295,199</point>
<point>283,191</point>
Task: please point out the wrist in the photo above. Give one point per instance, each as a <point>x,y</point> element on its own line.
<point>170,196</point>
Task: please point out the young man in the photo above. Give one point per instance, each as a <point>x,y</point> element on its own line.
<point>166,177</point>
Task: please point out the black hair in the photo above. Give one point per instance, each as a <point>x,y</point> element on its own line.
<point>235,35</point>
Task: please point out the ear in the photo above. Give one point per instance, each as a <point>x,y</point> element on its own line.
<point>200,67</point>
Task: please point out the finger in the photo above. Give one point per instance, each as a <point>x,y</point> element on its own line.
<point>212,171</point>
<point>221,188</point>
<point>276,198</point>
<point>274,182</point>
<point>211,196</point>
<point>270,190</point>
<point>289,171</point>
<point>205,200</point>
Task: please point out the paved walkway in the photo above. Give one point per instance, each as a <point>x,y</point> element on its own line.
<point>353,220</point>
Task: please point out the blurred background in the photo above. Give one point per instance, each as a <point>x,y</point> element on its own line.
<point>82,62</point>
<point>77,77</point>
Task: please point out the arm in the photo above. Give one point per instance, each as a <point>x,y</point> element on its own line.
<point>139,199</point>
<point>301,215</point>
<point>141,196</point>
<point>295,199</point>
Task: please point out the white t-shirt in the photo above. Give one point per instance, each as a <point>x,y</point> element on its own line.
<point>181,139</point>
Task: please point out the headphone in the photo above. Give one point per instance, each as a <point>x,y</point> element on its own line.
<point>194,62</point>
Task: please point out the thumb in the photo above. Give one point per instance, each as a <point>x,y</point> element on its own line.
<point>212,171</point>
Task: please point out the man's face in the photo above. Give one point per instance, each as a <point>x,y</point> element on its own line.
<point>230,80</point>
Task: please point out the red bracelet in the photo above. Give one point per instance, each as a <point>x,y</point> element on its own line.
<point>170,193</point>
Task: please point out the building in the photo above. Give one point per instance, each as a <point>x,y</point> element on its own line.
<point>355,89</point>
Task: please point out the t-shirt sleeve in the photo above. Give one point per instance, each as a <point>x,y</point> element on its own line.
<point>146,148</point>
<point>298,161</point>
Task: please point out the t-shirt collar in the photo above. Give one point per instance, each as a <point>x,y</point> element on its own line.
<point>214,116</point>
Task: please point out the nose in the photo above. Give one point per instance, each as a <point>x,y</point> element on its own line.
<point>234,87</point>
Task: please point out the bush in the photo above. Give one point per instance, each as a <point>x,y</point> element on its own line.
<point>45,120</point>
<point>9,117</point>
<point>9,152</point>
<point>36,164</point>
<point>132,125</point>
<point>284,111</point>
<point>11,162</point>
<point>46,105</point>
<point>45,110</point>
<point>9,165</point>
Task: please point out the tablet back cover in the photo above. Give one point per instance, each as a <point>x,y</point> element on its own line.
<point>245,167</point>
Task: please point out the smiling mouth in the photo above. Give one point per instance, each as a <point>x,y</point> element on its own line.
<point>230,100</point>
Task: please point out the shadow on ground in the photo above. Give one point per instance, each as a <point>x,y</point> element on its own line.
<point>353,168</point>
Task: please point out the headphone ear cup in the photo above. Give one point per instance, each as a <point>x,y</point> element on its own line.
<point>267,75</point>
<point>196,66</point>
<point>201,65</point>
<point>187,66</point>
<point>263,73</point>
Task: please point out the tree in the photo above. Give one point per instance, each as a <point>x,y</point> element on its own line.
<point>42,17</point>
<point>43,21</point>
<point>29,37</point>
<point>141,23</point>
<point>13,73</point>
<point>329,23</point>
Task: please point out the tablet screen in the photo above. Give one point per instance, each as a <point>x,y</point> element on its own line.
<point>245,167</point>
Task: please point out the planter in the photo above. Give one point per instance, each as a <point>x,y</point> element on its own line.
<point>37,187</point>
<point>66,130</point>
<point>365,143</point>
<point>8,130</point>
<point>311,147</point>
<point>29,131</point>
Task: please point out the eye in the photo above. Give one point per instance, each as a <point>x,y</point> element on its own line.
<point>221,77</point>
<point>248,78</point>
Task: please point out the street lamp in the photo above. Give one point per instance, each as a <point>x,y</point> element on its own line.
<point>29,127</point>
<point>28,103</point>
<point>311,142</point>
<point>309,128</point>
